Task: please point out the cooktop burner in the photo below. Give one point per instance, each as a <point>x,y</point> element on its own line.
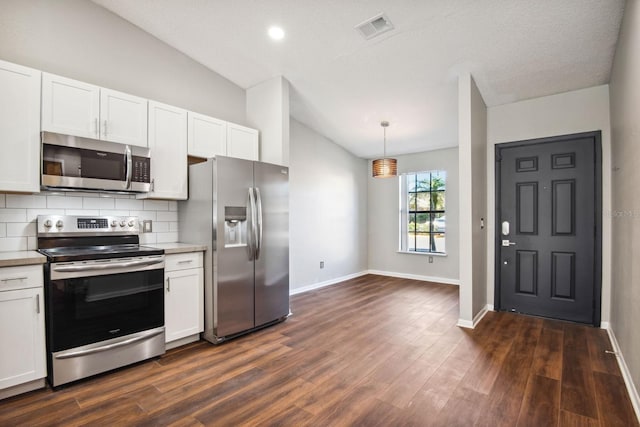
<point>81,253</point>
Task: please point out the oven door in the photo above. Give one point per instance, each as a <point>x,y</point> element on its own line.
<point>94,301</point>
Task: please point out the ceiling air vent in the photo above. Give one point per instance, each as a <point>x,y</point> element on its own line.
<point>375,26</point>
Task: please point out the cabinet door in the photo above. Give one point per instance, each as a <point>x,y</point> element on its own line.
<point>168,144</point>
<point>183,304</point>
<point>19,128</point>
<point>70,107</point>
<point>207,136</point>
<point>242,142</point>
<point>22,358</point>
<point>123,118</point>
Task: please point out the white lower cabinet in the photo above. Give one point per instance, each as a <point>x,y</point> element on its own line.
<point>184,298</point>
<point>22,358</point>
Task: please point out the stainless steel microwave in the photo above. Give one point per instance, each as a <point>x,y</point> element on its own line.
<point>74,163</point>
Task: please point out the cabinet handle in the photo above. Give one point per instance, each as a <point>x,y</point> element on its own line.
<point>13,278</point>
<point>96,127</point>
<point>38,303</point>
<point>186,261</point>
<point>153,185</point>
<point>168,284</point>
<point>105,128</point>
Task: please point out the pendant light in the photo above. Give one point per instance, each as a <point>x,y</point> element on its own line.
<point>384,168</point>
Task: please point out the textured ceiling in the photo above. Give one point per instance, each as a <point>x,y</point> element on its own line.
<point>343,85</point>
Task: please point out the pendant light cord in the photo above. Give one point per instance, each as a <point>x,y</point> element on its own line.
<point>384,144</point>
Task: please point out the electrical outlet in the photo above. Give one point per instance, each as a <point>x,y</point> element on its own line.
<point>321,264</point>
<point>147,226</point>
<point>430,260</point>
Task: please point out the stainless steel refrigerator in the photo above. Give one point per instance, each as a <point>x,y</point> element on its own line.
<point>239,209</point>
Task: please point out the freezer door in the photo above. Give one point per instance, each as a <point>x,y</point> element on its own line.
<point>233,280</point>
<point>272,246</point>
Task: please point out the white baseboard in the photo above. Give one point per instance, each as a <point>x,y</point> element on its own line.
<point>444,280</point>
<point>471,324</point>
<point>319,285</point>
<point>626,375</point>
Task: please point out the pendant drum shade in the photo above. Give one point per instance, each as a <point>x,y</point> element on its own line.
<point>384,167</point>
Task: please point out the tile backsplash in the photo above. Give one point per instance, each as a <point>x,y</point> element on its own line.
<point>18,214</point>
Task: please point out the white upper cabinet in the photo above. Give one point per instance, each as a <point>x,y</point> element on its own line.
<point>207,136</point>
<point>168,144</point>
<point>123,118</point>
<point>70,107</point>
<point>75,108</point>
<point>19,128</point>
<point>242,142</point>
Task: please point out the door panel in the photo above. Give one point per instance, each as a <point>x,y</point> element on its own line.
<point>549,263</point>
<point>233,278</point>
<point>272,265</point>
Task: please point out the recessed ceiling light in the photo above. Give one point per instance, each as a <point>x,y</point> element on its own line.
<point>276,33</point>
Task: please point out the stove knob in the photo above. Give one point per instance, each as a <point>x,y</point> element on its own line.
<point>47,223</point>
<point>122,223</point>
<point>114,223</point>
<point>131,223</point>
<point>59,223</point>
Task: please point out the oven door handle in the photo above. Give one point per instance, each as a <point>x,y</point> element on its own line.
<point>143,336</point>
<point>74,268</point>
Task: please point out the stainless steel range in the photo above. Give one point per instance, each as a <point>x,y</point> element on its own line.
<point>104,296</point>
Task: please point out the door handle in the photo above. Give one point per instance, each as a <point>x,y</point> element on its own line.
<point>508,243</point>
<point>168,284</point>
<point>127,156</point>
<point>259,218</point>
<point>253,236</point>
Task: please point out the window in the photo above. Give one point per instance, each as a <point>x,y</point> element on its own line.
<point>422,212</point>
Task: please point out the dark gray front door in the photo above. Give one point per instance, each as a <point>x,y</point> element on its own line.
<point>548,220</point>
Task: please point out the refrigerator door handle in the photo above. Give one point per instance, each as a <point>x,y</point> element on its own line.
<point>259,217</point>
<point>252,235</point>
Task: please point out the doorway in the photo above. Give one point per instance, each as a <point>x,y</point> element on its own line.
<point>549,227</point>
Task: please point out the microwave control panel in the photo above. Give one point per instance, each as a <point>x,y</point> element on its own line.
<point>141,169</point>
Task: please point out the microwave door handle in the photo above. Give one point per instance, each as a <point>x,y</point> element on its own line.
<point>127,152</point>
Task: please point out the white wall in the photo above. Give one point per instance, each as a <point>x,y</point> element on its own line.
<point>384,220</point>
<point>268,110</point>
<point>328,210</point>
<point>472,133</point>
<point>18,215</point>
<point>625,127</point>
<point>83,41</point>
<point>566,113</point>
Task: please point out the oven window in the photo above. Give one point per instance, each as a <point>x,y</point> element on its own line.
<point>92,309</point>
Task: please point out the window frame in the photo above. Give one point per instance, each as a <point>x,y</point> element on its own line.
<point>405,212</point>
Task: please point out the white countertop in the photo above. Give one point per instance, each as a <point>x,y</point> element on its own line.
<point>178,248</point>
<point>17,258</point>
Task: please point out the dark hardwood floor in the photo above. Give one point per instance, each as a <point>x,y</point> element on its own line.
<point>373,351</point>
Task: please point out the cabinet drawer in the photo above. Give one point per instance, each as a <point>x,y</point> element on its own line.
<point>22,277</point>
<point>184,261</point>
